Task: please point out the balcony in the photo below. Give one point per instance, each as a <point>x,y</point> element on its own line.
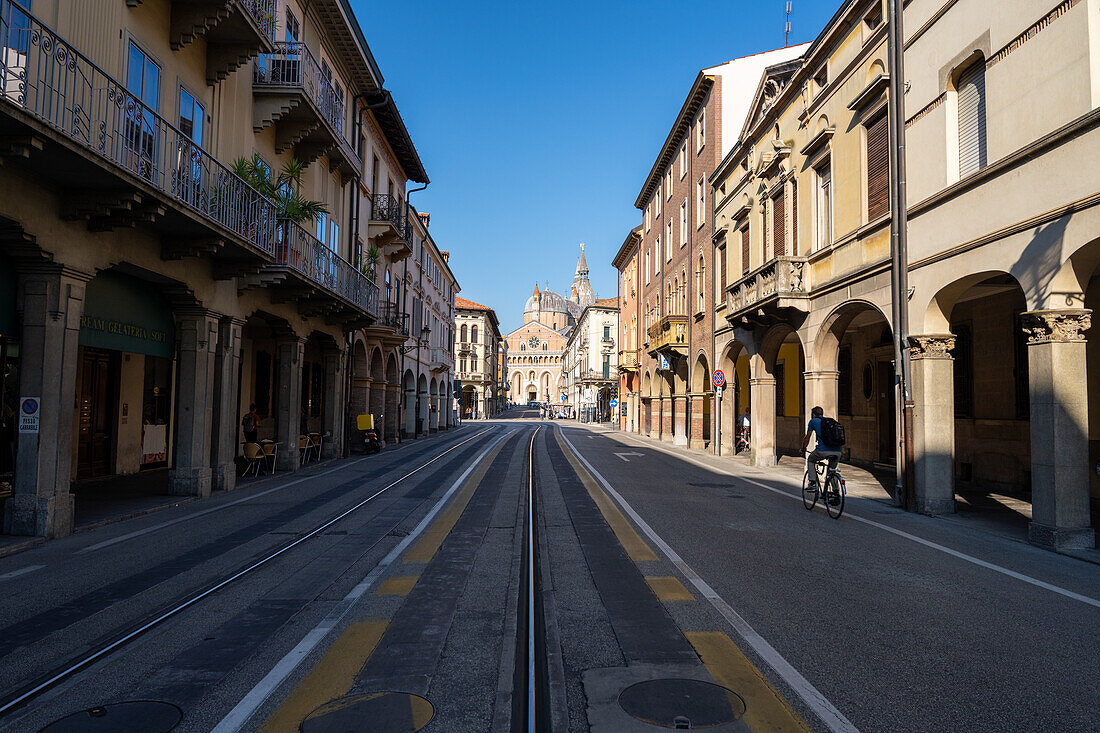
<point>628,361</point>
<point>473,377</point>
<point>293,94</point>
<point>669,336</point>
<point>320,281</point>
<point>392,326</point>
<point>590,376</point>
<point>73,127</point>
<point>441,360</point>
<point>389,228</point>
<point>769,294</point>
<point>235,31</point>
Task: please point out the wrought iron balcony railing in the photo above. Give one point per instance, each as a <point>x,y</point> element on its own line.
<point>628,360</point>
<point>670,331</point>
<point>301,251</point>
<point>263,12</point>
<point>385,207</point>
<point>293,65</point>
<point>44,75</point>
<point>391,317</point>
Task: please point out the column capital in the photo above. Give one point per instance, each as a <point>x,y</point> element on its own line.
<point>931,345</point>
<point>1065,325</point>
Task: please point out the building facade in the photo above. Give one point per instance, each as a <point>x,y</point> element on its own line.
<point>536,348</point>
<point>630,315</point>
<point>590,362</point>
<point>477,350</point>
<point>677,253</point>
<point>1002,254</point>
<point>156,281</point>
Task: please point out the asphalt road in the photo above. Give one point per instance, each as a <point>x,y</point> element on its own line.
<point>388,593</point>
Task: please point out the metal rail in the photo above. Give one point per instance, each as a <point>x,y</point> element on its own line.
<point>300,250</point>
<point>80,663</point>
<point>531,699</point>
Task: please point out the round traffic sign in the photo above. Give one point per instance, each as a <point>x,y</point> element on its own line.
<point>718,378</point>
<point>613,404</point>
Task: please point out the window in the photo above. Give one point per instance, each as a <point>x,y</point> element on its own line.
<point>647,218</point>
<point>878,168</point>
<point>722,270</point>
<point>668,182</point>
<point>683,160</point>
<point>473,364</point>
<point>545,347</point>
<point>607,333</point>
<point>668,242</point>
<point>972,138</point>
<point>657,256</point>
<point>523,347</point>
<point>821,78</point>
<point>745,250</point>
<point>473,335</point>
<point>191,117</point>
<point>700,283</point>
<point>779,223</point>
<point>292,28</point>
<point>334,236</point>
<point>872,20</point>
<point>657,204</point>
<point>683,223</point>
<point>647,267</point>
<point>823,236</point>
<point>701,130</point>
<point>322,226</point>
<point>143,81</point>
<point>794,216</point>
<point>700,202</point>
<point>462,333</point>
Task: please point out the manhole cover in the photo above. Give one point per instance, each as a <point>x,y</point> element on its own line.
<point>684,704</point>
<point>378,712</point>
<point>148,716</point>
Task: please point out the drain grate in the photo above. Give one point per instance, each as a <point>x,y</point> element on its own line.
<point>148,716</point>
<point>379,712</point>
<point>682,704</point>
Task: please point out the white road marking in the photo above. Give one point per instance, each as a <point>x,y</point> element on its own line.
<point>624,455</point>
<point>824,709</point>
<point>220,507</point>
<point>244,710</point>
<point>901,533</point>
<point>20,571</point>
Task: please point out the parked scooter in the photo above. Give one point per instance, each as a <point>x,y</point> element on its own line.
<point>371,443</point>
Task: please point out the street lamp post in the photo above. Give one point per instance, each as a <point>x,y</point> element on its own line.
<point>417,344</point>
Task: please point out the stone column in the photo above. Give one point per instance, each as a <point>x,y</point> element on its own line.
<point>729,418</point>
<point>410,412</point>
<point>389,421</point>
<point>197,343</point>
<point>1059,428</point>
<point>52,302</point>
<point>821,390</point>
<point>933,422</point>
<point>334,408</point>
<point>290,352</point>
<point>227,362</point>
<point>762,425</point>
<point>679,420</point>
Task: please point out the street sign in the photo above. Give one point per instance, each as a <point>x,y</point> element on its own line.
<point>563,398</point>
<point>718,393</point>
<point>28,414</point>
<point>718,378</point>
<point>613,404</point>
<point>589,395</point>
<point>662,362</point>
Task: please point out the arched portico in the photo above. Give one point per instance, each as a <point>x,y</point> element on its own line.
<point>700,403</point>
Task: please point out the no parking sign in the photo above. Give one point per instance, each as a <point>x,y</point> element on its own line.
<point>28,414</point>
<point>718,378</point>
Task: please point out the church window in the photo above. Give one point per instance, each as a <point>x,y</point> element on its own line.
<point>523,347</point>
<point>544,347</point>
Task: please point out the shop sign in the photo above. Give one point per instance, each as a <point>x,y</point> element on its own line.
<point>28,414</point>
<point>129,330</point>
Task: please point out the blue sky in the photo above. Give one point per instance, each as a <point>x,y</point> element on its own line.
<point>538,122</point>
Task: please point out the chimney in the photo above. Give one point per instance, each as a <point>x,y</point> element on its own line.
<point>425,218</point>
<point>445,255</point>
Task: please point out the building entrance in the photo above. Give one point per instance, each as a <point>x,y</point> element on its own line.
<point>97,396</point>
<point>887,452</point>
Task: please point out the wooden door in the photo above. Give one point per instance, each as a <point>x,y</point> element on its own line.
<point>885,390</point>
<point>97,398</point>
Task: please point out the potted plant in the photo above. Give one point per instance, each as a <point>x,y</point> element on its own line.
<point>283,191</point>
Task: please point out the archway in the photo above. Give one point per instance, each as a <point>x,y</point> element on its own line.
<point>378,392</point>
<point>423,405</point>
<point>700,436</point>
<point>433,406</point>
<point>647,404</point>
<point>408,384</point>
<point>778,397</point>
<point>736,394</point>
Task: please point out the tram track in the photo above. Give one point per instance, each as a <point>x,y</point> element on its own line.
<point>114,643</point>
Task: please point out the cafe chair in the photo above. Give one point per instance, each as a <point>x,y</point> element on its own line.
<point>271,455</point>
<point>254,454</point>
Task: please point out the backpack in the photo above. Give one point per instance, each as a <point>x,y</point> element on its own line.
<point>832,432</point>
<point>248,422</point>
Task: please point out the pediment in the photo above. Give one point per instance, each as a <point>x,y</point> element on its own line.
<point>773,82</point>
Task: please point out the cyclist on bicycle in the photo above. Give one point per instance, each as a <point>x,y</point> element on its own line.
<point>822,428</point>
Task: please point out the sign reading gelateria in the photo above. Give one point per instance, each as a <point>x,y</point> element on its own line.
<point>123,313</point>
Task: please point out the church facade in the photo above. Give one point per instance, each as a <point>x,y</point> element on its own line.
<point>535,349</point>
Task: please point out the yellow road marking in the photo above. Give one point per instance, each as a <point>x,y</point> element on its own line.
<point>669,589</point>
<point>428,544</point>
<point>765,709</point>
<point>399,585</point>
<point>330,678</point>
<point>635,546</point>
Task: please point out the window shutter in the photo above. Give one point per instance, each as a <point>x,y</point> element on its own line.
<point>878,168</point>
<point>723,271</point>
<point>745,251</point>
<point>779,224</point>
<point>794,218</point>
<point>972,152</point>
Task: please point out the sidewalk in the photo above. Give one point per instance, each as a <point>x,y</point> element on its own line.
<point>991,513</point>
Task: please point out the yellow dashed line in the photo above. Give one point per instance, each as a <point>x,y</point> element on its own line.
<point>635,546</point>
<point>400,585</point>
<point>330,678</point>
<point>428,544</point>
<point>765,709</point>
<point>668,589</point>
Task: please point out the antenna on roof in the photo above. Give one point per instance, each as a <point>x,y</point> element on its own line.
<point>787,32</point>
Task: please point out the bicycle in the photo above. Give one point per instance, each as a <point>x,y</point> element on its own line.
<point>742,440</point>
<point>834,491</point>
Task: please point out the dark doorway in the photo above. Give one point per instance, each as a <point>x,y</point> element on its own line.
<point>885,412</point>
<point>98,394</point>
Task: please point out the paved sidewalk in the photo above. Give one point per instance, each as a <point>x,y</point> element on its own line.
<point>991,513</point>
